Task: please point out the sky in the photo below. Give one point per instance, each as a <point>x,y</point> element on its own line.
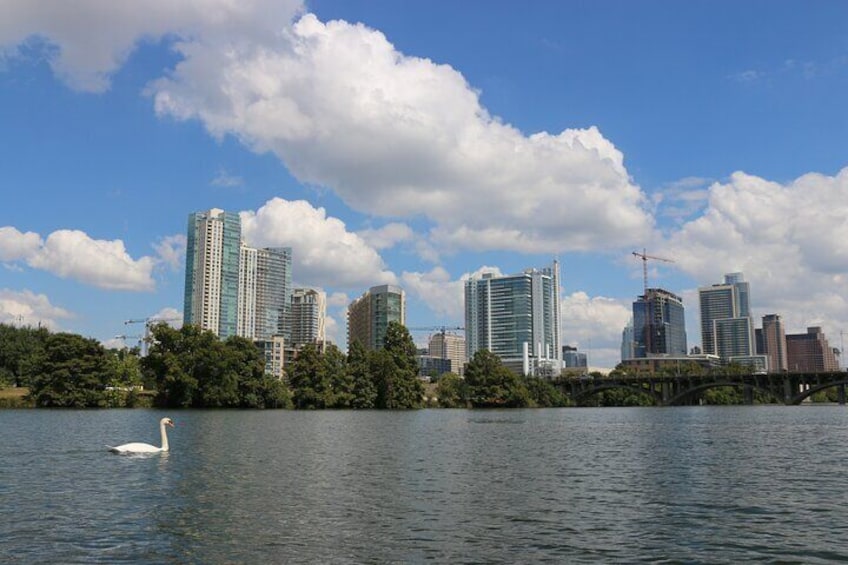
<point>420,143</point>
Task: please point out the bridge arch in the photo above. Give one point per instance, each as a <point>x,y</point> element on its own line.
<point>801,397</point>
<point>598,388</point>
<point>693,391</point>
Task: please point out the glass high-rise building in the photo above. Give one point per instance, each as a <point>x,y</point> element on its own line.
<point>516,317</point>
<point>265,290</point>
<point>368,316</point>
<point>727,329</point>
<point>659,325</point>
<point>230,288</point>
<point>212,271</point>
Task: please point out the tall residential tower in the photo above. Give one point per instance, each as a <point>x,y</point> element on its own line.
<point>212,271</point>
<point>516,317</point>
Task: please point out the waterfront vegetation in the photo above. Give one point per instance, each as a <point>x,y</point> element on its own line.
<point>190,368</point>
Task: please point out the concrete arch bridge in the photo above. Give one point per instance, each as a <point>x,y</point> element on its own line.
<point>671,390</point>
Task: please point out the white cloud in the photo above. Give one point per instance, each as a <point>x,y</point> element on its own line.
<point>442,295</point>
<point>790,241</point>
<point>399,136</point>
<point>595,323</point>
<point>335,331</point>
<point>171,250</point>
<point>391,134</point>
<point>323,249</point>
<point>170,316</point>
<point>88,40</point>
<point>29,309</point>
<point>226,180</point>
<point>73,254</point>
<point>101,263</point>
<point>338,299</point>
<point>436,289</point>
<point>15,245</point>
<point>387,236</point>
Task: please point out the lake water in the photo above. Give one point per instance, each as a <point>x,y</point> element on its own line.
<point>689,484</point>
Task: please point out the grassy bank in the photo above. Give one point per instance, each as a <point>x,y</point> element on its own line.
<point>14,398</point>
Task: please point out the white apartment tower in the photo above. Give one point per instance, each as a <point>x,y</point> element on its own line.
<point>308,317</point>
<point>212,271</point>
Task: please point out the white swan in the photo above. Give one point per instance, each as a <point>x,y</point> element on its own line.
<point>138,447</point>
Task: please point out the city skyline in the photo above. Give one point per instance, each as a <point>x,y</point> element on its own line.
<point>418,144</point>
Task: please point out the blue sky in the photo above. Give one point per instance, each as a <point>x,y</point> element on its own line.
<point>420,142</point>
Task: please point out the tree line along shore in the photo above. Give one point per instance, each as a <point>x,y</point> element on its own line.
<point>190,368</point>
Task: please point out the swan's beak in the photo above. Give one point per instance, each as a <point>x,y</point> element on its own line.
<point>171,424</point>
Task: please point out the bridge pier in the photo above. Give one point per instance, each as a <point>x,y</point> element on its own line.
<point>748,395</point>
<point>840,394</point>
<point>787,390</point>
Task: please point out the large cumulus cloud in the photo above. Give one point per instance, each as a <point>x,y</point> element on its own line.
<point>789,239</point>
<point>323,250</point>
<point>400,136</point>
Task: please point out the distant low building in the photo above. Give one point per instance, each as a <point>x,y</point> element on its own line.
<point>450,347</point>
<point>657,363</point>
<point>573,358</point>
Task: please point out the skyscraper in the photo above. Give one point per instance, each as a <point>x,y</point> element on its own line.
<point>232,289</point>
<point>273,292</point>
<point>659,326</point>
<point>727,329</point>
<point>368,316</point>
<point>628,342</point>
<point>308,315</point>
<point>264,292</point>
<point>774,343</point>
<point>516,317</point>
<point>212,271</point>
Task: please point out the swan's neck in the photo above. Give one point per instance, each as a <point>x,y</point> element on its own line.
<point>164,436</point>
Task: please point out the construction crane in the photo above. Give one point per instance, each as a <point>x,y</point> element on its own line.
<point>147,323</point>
<point>644,257</point>
<point>124,339</point>
<point>648,325</point>
<point>438,329</point>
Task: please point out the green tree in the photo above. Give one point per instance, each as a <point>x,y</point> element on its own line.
<point>362,381</point>
<point>256,389</point>
<point>124,368</point>
<point>21,354</point>
<point>74,373</point>
<point>451,392</point>
<point>544,394</point>
<point>174,361</point>
<point>193,368</point>
<point>308,379</point>
<point>395,369</point>
<point>491,384</point>
<point>341,383</point>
